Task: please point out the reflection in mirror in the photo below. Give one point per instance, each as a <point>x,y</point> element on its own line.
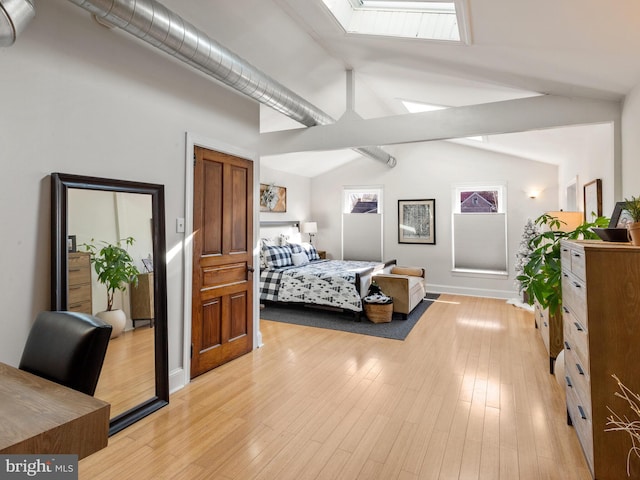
<point>87,210</point>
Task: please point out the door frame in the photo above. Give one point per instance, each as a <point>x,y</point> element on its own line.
<point>192,141</point>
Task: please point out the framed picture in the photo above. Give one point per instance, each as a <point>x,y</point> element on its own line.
<point>273,198</point>
<point>593,200</point>
<point>620,218</point>
<point>417,221</point>
<point>71,243</point>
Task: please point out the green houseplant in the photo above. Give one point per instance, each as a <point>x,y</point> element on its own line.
<point>632,206</point>
<point>541,275</point>
<point>116,269</point>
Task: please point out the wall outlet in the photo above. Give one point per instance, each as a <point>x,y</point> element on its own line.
<point>179,225</point>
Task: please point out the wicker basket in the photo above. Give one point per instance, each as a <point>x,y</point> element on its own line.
<point>379,312</point>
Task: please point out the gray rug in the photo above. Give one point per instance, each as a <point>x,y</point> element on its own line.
<point>397,329</point>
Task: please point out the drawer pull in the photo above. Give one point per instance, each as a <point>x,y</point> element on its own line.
<point>75,269</point>
<point>577,285</point>
<point>545,324</point>
<point>582,414</point>
<point>578,327</point>
<point>577,255</point>
<point>580,371</point>
<point>567,346</point>
<point>72,287</point>
<point>75,305</point>
<point>565,309</point>
<point>569,384</point>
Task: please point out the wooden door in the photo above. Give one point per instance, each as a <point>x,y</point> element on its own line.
<point>222,289</point>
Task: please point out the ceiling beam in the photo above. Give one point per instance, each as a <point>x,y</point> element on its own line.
<point>510,116</point>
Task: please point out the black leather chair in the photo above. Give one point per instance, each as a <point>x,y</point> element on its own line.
<point>67,348</point>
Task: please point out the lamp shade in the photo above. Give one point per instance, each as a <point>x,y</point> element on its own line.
<point>569,221</point>
<point>308,227</point>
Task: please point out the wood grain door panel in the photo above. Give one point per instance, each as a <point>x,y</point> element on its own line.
<point>222,293</point>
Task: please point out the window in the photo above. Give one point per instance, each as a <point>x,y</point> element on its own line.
<point>362,223</point>
<point>362,200</point>
<point>416,19</point>
<point>480,229</point>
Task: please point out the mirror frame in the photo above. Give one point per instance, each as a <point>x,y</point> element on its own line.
<point>60,183</point>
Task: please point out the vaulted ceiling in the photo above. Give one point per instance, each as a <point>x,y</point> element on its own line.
<point>517,49</point>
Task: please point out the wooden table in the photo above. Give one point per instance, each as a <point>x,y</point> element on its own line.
<point>39,416</point>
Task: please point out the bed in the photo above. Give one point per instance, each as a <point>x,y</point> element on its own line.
<point>292,272</point>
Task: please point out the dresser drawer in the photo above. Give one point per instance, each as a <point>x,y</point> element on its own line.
<point>581,422</point>
<point>580,380</point>
<point>82,307</point>
<point>578,264</point>
<point>574,297</point>
<point>543,328</point>
<point>79,273</point>
<point>79,293</point>
<point>575,337</point>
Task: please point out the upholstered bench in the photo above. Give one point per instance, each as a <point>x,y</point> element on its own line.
<point>405,285</point>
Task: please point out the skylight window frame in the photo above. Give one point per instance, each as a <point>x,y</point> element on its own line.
<point>349,15</point>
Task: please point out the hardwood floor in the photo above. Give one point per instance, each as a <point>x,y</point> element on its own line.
<point>466,396</point>
<point>128,373</point>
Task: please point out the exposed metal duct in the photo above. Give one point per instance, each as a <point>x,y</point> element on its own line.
<point>155,24</point>
<point>14,17</point>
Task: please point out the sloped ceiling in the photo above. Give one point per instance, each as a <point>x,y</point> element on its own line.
<point>565,47</point>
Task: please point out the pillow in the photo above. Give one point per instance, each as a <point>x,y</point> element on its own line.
<point>263,243</point>
<point>307,248</point>
<point>410,271</point>
<point>311,251</point>
<point>299,258</point>
<point>277,256</point>
<point>296,248</point>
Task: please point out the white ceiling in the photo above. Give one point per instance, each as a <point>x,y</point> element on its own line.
<point>518,48</point>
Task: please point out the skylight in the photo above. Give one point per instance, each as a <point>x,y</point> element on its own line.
<point>427,20</point>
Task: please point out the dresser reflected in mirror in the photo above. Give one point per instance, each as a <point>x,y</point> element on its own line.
<point>89,210</point>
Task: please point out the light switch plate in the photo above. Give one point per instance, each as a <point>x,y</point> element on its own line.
<point>180,225</point>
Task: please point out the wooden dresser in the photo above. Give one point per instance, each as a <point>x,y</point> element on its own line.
<point>142,307</point>
<point>550,328</point>
<point>79,280</point>
<point>601,310</point>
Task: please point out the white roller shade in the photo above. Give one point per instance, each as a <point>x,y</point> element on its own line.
<point>362,236</point>
<point>480,242</point>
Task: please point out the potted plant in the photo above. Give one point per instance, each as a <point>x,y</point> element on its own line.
<point>632,206</point>
<point>115,269</point>
<point>541,275</point>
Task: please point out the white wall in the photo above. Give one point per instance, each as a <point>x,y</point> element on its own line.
<point>631,145</point>
<point>78,98</point>
<point>429,170</point>
<point>589,159</point>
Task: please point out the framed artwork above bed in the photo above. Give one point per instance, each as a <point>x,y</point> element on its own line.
<point>273,198</point>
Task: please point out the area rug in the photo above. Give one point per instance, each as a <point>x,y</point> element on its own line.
<point>397,329</point>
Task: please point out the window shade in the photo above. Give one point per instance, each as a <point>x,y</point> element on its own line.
<point>480,241</point>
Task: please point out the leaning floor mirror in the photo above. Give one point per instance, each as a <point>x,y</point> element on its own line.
<point>90,211</point>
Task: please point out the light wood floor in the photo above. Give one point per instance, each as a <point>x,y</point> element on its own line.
<point>467,395</point>
<point>128,373</point>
